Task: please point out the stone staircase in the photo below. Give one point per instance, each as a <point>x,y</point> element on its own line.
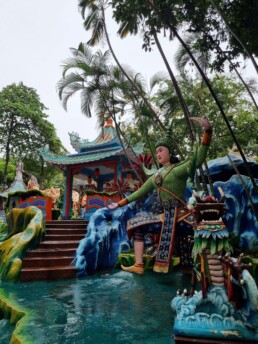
<point>52,259</point>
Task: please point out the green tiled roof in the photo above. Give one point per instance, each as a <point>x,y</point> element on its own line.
<point>78,158</point>
<point>107,144</point>
<point>107,136</point>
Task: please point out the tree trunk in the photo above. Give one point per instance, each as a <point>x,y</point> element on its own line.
<point>150,148</point>
<point>124,149</point>
<point>7,152</point>
<point>173,29</point>
<point>128,78</point>
<point>41,172</point>
<point>112,115</point>
<point>7,159</point>
<point>220,108</point>
<point>176,86</point>
<point>235,70</point>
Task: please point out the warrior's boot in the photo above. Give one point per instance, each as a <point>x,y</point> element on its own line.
<point>136,268</point>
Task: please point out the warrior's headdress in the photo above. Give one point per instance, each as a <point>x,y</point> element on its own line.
<point>167,140</point>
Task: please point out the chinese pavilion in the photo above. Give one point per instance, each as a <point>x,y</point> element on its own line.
<point>102,160</point>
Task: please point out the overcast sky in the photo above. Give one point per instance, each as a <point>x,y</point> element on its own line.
<point>35,37</point>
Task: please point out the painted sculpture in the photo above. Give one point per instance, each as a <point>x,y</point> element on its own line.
<point>226,308</point>
<point>238,218</point>
<point>24,229</point>
<point>33,183</point>
<point>170,182</point>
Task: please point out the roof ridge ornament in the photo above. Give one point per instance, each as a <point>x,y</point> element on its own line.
<point>109,123</point>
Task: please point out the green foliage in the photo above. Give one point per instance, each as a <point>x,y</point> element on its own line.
<point>11,172</point>
<point>233,23</point>
<point>102,87</point>
<point>24,124</point>
<point>52,178</point>
<point>212,24</point>
<point>24,128</point>
<point>240,112</point>
<point>242,18</point>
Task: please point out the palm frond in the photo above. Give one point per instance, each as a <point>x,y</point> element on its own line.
<point>124,30</point>
<point>87,100</point>
<point>75,63</point>
<point>157,78</point>
<point>182,58</point>
<point>94,22</point>
<point>86,4</point>
<point>75,87</point>
<point>65,83</point>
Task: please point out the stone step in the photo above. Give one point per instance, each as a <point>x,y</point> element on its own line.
<point>59,244</point>
<point>67,222</point>
<point>66,226</point>
<point>57,231</point>
<point>51,252</point>
<point>53,258</point>
<point>41,262</point>
<point>64,237</point>
<point>48,273</point>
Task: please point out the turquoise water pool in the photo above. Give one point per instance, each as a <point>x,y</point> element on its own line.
<point>5,331</point>
<point>115,307</point>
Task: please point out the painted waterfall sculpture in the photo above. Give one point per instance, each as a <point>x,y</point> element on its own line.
<point>170,183</point>
<point>226,308</point>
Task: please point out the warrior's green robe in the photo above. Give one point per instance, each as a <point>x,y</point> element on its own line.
<point>174,177</point>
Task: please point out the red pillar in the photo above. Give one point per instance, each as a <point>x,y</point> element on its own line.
<point>68,194</point>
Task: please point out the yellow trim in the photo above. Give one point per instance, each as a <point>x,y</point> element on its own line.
<point>203,227</point>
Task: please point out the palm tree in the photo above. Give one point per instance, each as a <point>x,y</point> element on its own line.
<point>96,22</point>
<point>87,72</point>
<point>102,87</point>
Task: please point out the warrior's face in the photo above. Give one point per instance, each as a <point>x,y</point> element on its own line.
<point>163,155</point>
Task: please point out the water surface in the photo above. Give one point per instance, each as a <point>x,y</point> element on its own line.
<point>115,307</point>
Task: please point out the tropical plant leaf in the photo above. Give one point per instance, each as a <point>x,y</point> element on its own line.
<point>198,242</point>
<point>220,245</point>
<point>204,243</point>
<point>227,246</point>
<point>213,246</point>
